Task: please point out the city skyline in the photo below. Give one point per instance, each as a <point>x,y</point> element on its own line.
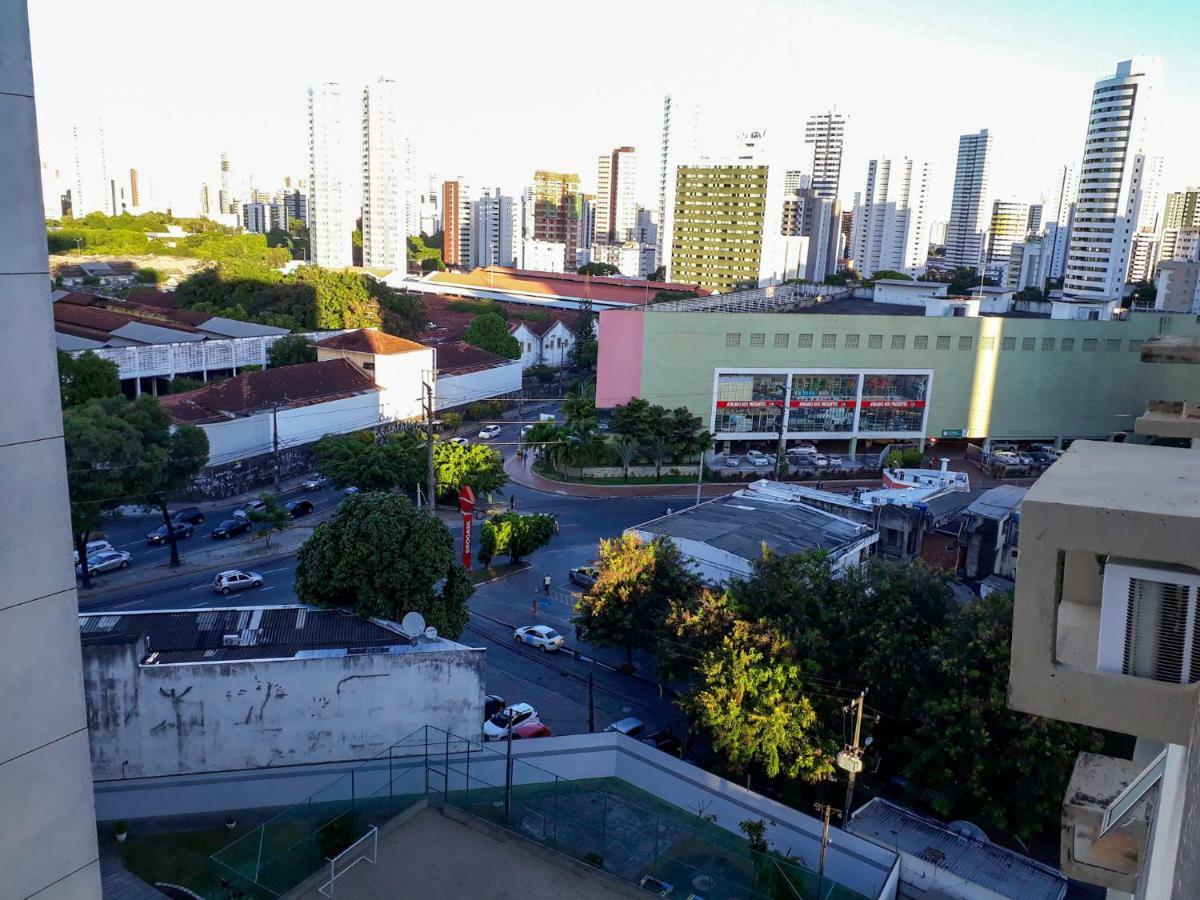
<point>266,135</point>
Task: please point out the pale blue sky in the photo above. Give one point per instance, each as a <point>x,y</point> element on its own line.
<point>500,89</point>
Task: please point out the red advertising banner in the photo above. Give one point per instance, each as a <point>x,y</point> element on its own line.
<point>749,404</point>
<point>822,403</point>
<point>893,404</point>
<point>466,505</point>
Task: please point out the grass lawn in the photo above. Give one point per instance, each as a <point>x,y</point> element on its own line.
<point>179,857</point>
<point>541,467</point>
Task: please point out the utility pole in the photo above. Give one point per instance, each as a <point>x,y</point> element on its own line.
<point>780,444</point>
<point>275,440</point>
<point>431,486</point>
<point>850,759</point>
<point>826,811</point>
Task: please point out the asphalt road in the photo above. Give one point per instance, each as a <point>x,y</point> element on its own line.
<point>556,684</point>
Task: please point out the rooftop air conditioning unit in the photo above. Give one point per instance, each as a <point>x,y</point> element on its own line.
<point>231,640</point>
<point>1149,626</point>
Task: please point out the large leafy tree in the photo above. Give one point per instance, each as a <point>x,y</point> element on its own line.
<point>476,465</point>
<point>86,377</point>
<point>273,516</point>
<point>341,299</point>
<point>973,756</point>
<point>490,332</point>
<point>598,268</point>
<point>515,535</point>
<point>404,312</point>
<point>586,349</point>
<point>381,556</point>
<point>362,460</point>
<point>292,350</point>
<point>632,419</point>
<point>638,582</point>
<point>751,701</point>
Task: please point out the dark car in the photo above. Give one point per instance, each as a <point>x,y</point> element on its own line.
<point>229,527</point>
<point>189,514</point>
<point>299,508</point>
<point>665,741</point>
<point>159,534</point>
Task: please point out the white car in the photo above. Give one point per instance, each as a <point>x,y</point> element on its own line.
<point>106,561</point>
<point>802,448</point>
<point>93,547</point>
<point>458,441</point>
<point>835,460</point>
<point>732,462</point>
<point>525,429</point>
<point>496,728</point>
<point>236,580</point>
<point>539,636</point>
<point>315,482</point>
<point>821,461</point>
<point>758,458</point>
<point>487,432</point>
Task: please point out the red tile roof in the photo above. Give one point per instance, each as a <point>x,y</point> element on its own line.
<point>633,291</point>
<point>459,357</point>
<point>368,340</point>
<point>103,315</point>
<point>290,386</point>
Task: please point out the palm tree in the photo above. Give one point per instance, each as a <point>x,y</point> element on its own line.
<point>585,443</point>
<point>627,451</point>
<point>657,452</point>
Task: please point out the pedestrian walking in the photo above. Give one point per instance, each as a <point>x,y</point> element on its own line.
<point>533,608</point>
<point>546,584</point>
<point>512,501</point>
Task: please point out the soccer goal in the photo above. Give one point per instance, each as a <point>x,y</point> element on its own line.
<point>365,848</point>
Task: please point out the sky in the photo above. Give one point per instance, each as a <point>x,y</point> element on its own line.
<point>497,90</point>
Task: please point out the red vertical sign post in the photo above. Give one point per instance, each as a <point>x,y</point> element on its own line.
<point>466,505</point>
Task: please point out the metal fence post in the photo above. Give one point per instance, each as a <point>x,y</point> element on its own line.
<point>426,760</point>
<point>446,768</point>
<point>556,781</point>
<point>467,801</point>
<point>391,781</point>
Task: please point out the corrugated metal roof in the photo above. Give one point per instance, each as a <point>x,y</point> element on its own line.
<point>222,327</point>
<point>69,342</point>
<point>998,502</point>
<point>988,865</point>
<point>262,633</point>
<point>155,334</point>
<point>742,525</point>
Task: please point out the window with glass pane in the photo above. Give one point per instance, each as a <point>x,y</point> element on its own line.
<point>747,403</point>
<point>822,403</point>
<point>893,402</point>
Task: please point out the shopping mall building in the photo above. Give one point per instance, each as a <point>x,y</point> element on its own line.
<point>908,368</point>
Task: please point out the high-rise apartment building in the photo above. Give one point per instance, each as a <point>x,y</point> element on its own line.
<point>680,144</point>
<point>331,207</point>
<point>795,180</point>
<point>647,227</point>
<point>1117,181</point>
<point>966,232</point>
<point>494,223</point>
<point>135,199</point>
<point>1182,210</point>
<point>558,213</point>
<point>92,188</point>
<point>1059,216</point>
<point>826,132</point>
<point>49,845</point>
<point>384,217</point>
<point>295,205</point>
<point>256,217</point>
<point>1034,225</point>
<point>889,230</point>
<point>1009,224</point>
<point>456,223</point>
<point>205,200</point>
<point>225,195</point>
<point>1143,255</point>
<point>616,195</point>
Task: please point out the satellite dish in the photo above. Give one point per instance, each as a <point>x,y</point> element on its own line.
<point>431,633</point>
<point>412,624</point>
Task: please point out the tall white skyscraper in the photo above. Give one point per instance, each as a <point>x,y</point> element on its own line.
<point>384,217</point>
<point>225,194</point>
<point>680,144</point>
<point>1009,225</point>
<point>492,223</point>
<point>1117,179</point>
<point>331,207</point>
<point>966,230</point>
<point>1060,211</point>
<point>92,188</point>
<point>616,195</point>
<point>826,132</point>
<point>889,228</point>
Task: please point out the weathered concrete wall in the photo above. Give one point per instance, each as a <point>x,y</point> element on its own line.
<point>174,719</point>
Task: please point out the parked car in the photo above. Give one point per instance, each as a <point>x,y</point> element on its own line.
<point>189,514</point>
<point>539,636</point>
<point>106,561</point>
<point>496,728</point>
<point>802,448</point>
<point>1005,458</point>
<point>629,726</point>
<point>487,432</point>
<point>159,534</point>
<point>1049,450</point>
<point>315,482</point>
<point>492,704</point>
<point>802,459</point>
<point>757,458</point>
<point>732,462</point>
<point>584,576</point>
<point>229,527</point>
<point>92,548</point>
<point>458,441</point>
<point>1041,458</point>
<point>532,730</point>
<point>821,461</point>
<point>236,580</point>
<point>525,429</point>
<point>299,508</point>
<point>835,459</point>
<point>352,490</point>
<point>253,506</point>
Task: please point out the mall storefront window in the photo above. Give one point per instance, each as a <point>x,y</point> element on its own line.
<point>822,403</point>
<point>893,403</point>
<point>749,403</point>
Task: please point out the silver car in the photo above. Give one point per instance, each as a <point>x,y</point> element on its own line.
<point>106,561</point>
<point>236,580</point>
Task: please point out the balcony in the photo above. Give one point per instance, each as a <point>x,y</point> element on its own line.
<point>1103,509</point>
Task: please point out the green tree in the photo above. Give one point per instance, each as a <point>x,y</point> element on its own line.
<point>632,419</point>
<point>638,582</point>
<point>659,274</point>
<point>477,465</point>
<point>273,516</point>
<point>404,312</point>
<point>598,269</point>
<point>668,296</point>
<point>1144,294</point>
<point>86,377</point>
<point>341,299</point>
<point>657,450</point>
<point>906,458</point>
<point>516,535</point>
<point>432,264</point>
<point>489,332</point>
<point>361,460</point>
<point>181,384</point>
<point>149,276</point>
<point>292,350</point>
<point>586,350</point>
<point>627,451</point>
<point>752,703</point>
<point>381,556</point>
<point>1030,295</point>
<point>971,755</point>
<point>890,275</point>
